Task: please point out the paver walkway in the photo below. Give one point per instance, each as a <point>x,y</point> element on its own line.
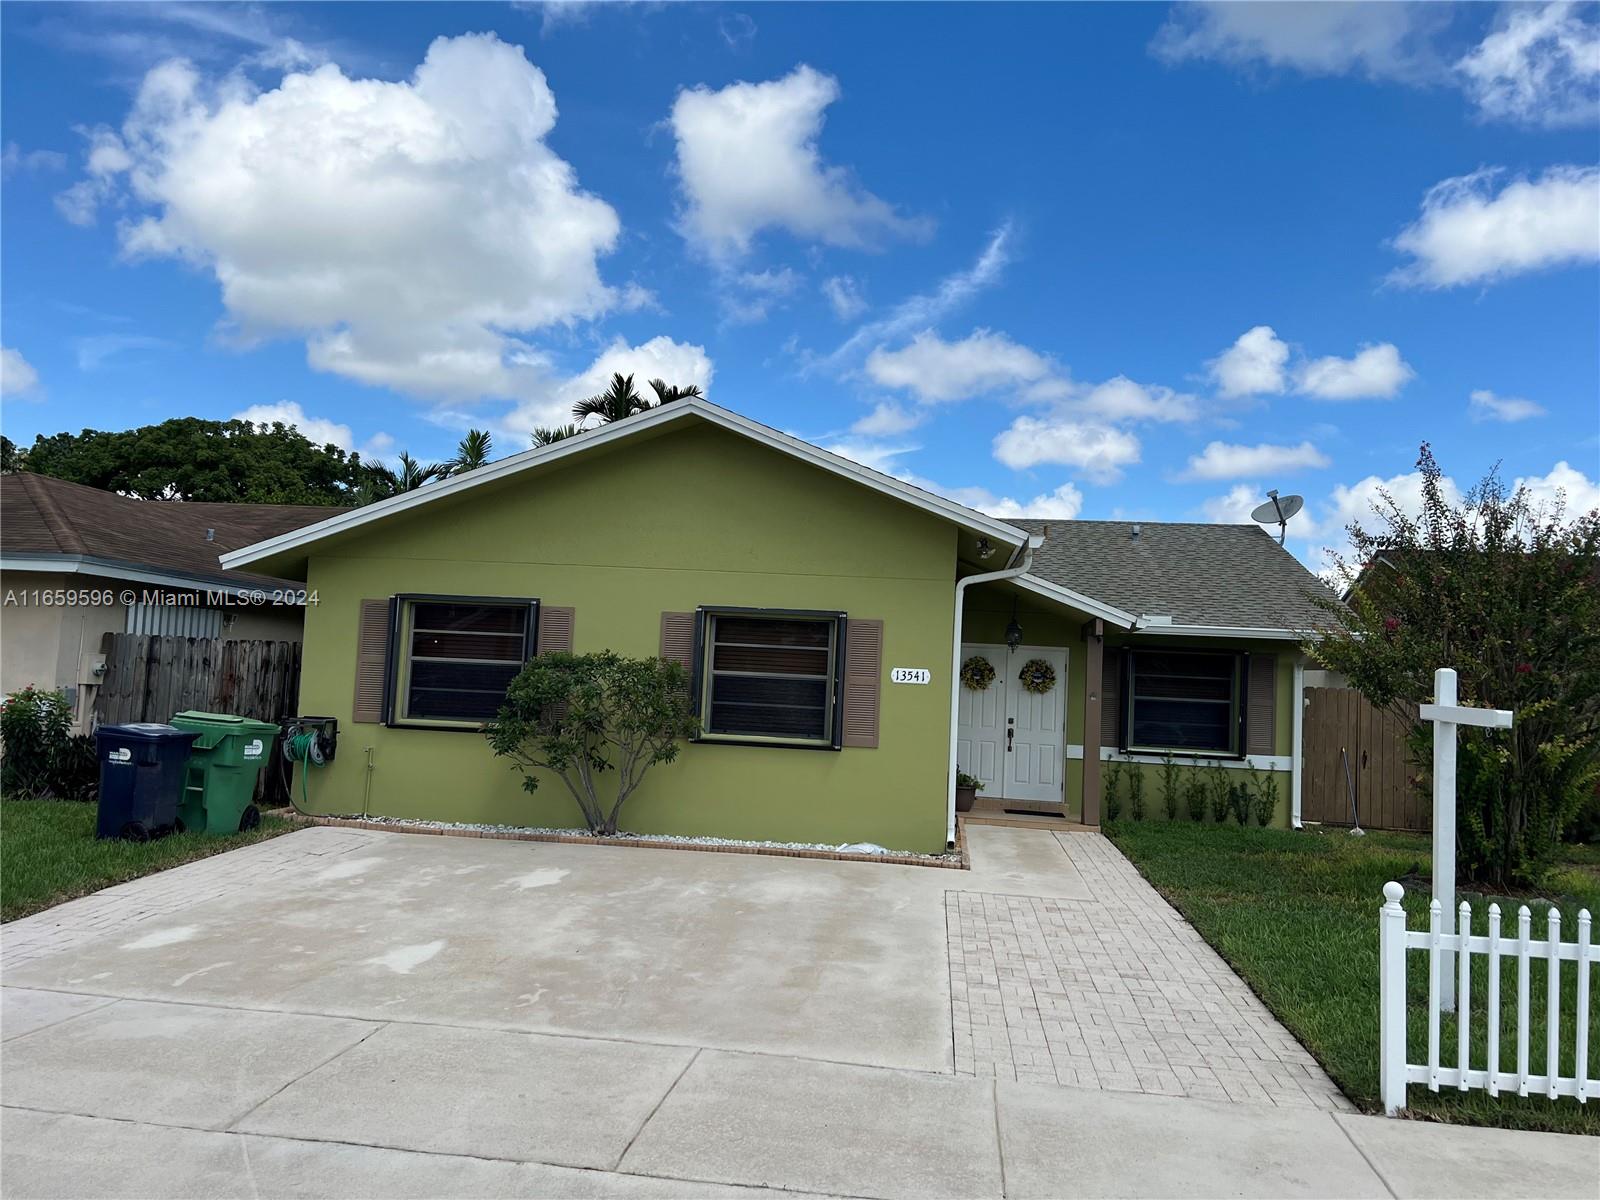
<point>1118,993</point>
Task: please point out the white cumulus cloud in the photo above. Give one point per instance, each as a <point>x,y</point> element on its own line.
<point>1097,452</point>
<point>1253,366</point>
<point>1375,373</point>
<point>1566,485</point>
<point>409,230</point>
<point>1234,506</point>
<point>17,376</point>
<point>1062,504</point>
<point>1484,405</point>
<point>935,370</point>
<point>748,160</point>
<point>1540,67</point>
<point>1121,399</point>
<point>1223,460</point>
<point>1470,233</point>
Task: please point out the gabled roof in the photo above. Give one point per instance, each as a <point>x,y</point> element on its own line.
<point>700,409</point>
<point>1215,577</point>
<point>50,524</point>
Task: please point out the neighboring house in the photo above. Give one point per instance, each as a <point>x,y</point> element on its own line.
<point>77,563</point>
<point>800,589</point>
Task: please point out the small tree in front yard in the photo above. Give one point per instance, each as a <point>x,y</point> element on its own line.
<point>1507,592</point>
<point>581,715</point>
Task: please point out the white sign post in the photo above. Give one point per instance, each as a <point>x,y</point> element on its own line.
<point>1446,715</point>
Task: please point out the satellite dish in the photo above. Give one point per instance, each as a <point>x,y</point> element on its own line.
<point>1277,510</point>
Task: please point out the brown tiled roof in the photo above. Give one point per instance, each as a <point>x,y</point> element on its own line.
<point>41,515</point>
<point>1236,576</point>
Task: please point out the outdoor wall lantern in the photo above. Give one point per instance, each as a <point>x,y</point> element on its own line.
<point>1014,629</point>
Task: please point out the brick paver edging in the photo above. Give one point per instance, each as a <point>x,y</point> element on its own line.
<point>957,862</point>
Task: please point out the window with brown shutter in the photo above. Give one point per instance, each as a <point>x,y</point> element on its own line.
<point>555,629</point>
<point>863,683</point>
<point>372,662</point>
<point>1261,715</point>
<point>455,656</point>
<point>771,676</point>
<point>1187,701</point>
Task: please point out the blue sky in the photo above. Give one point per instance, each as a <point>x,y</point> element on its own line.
<point>1093,260</point>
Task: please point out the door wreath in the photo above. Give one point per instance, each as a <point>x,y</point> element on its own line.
<point>977,673</point>
<point>1037,676</point>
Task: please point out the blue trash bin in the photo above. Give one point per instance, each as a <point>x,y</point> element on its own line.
<point>142,769</point>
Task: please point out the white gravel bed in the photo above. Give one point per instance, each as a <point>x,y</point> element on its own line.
<point>676,839</point>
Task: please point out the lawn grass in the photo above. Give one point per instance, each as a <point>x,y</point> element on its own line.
<point>1296,914</point>
<point>49,854</point>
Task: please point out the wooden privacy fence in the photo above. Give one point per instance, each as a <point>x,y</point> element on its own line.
<point>1373,742</point>
<point>1449,952</point>
<point>151,678</point>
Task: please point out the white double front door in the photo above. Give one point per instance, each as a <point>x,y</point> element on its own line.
<point>1012,738</point>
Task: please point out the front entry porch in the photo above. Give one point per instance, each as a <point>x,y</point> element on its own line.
<point>1012,734</point>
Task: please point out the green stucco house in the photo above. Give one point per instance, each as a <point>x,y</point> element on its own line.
<point>824,611</point>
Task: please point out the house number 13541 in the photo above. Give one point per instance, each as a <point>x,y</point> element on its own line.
<point>910,675</point>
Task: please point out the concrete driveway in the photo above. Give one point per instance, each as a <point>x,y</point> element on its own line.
<point>342,1012</point>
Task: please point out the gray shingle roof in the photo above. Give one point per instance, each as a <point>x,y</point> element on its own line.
<point>1226,575</point>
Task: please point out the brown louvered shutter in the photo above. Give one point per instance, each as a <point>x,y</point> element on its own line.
<point>555,629</point>
<point>863,683</point>
<point>372,662</point>
<point>1111,698</point>
<point>1260,722</point>
<point>677,638</point>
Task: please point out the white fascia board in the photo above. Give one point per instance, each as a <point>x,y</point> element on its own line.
<point>959,514</point>
<point>81,564</point>
<point>1221,631</point>
<point>1064,595</point>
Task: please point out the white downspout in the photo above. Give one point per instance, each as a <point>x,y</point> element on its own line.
<point>1297,743</point>
<point>1035,540</point>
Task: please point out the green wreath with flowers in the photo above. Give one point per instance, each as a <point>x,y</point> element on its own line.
<point>977,673</point>
<point>1037,676</point>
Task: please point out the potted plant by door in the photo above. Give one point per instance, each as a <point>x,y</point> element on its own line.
<point>967,789</point>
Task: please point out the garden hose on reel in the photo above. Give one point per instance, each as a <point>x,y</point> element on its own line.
<point>311,742</point>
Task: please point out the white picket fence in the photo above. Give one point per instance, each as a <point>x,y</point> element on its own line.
<point>1450,956</point>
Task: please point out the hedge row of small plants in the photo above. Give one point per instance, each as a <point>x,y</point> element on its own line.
<point>1216,790</point>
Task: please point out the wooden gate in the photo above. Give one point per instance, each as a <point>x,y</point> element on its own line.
<point>150,678</point>
<point>1373,742</point>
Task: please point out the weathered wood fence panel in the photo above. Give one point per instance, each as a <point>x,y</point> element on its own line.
<point>152,678</point>
<point>1373,742</point>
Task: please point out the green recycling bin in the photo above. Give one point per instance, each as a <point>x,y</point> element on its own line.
<point>223,765</point>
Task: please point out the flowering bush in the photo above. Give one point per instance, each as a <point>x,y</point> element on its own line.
<point>1507,592</point>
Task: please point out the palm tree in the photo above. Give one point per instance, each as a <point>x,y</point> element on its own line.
<point>472,453</point>
<point>666,393</point>
<point>544,437</point>
<point>413,474</point>
<point>617,403</point>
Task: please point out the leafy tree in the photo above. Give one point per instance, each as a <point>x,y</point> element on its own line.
<point>188,458</point>
<point>1507,592</point>
<point>472,453</point>
<point>11,459</point>
<point>580,715</point>
<point>413,474</point>
<point>560,433</point>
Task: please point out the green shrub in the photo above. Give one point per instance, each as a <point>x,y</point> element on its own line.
<point>1264,798</point>
<point>1170,786</point>
<point>41,758</point>
<point>1220,794</point>
<point>1111,800</point>
<point>1194,795</point>
<point>580,715</point>
<point>1240,801</point>
<point>1136,793</point>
